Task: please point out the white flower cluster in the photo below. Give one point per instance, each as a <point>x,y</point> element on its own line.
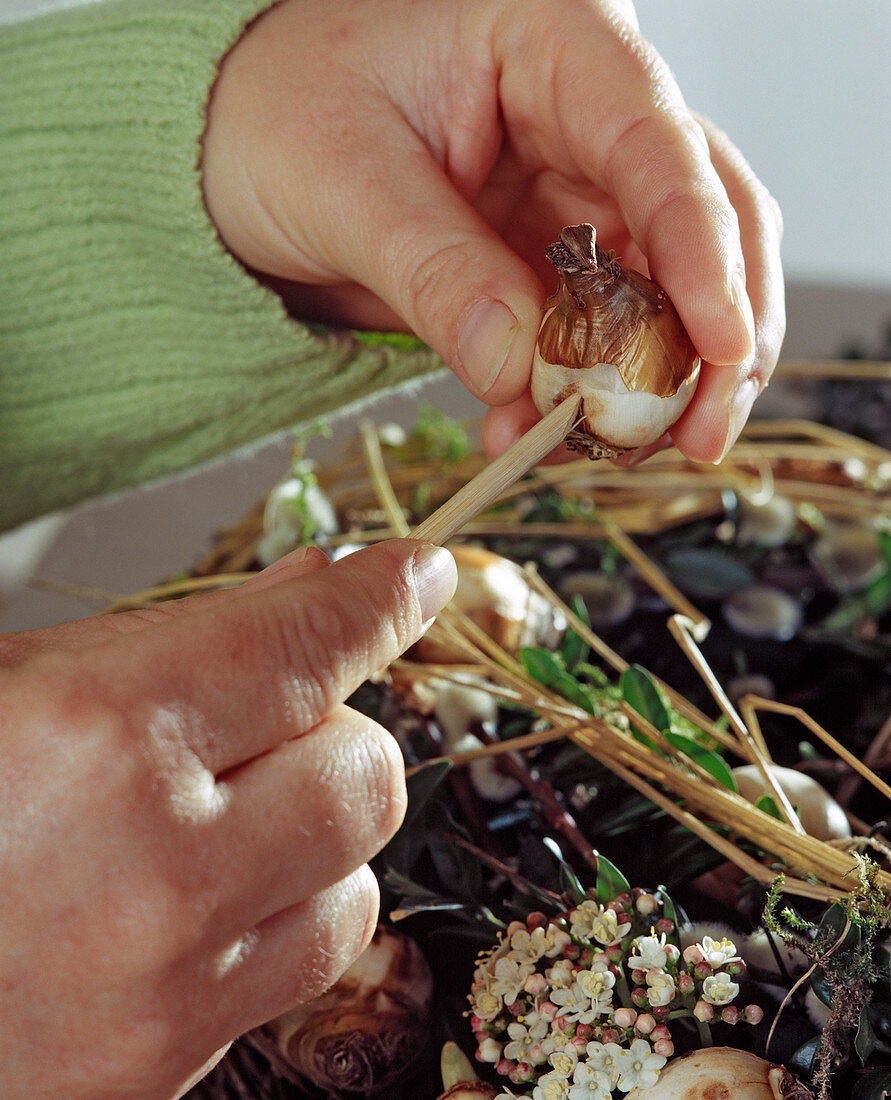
<point>577,1007</point>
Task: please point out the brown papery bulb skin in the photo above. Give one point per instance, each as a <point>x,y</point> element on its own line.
<point>613,336</point>
<point>723,1073</point>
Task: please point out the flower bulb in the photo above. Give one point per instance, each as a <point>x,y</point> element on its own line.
<point>614,337</point>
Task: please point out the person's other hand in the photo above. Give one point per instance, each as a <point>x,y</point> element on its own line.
<point>187,808</point>
<point>396,164</point>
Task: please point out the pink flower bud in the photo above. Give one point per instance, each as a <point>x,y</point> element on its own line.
<point>660,1031</point>
<point>504,1067</point>
<point>489,1051</point>
<point>513,927</point>
<point>645,1023</point>
<point>703,1011</point>
<point>523,1072</point>
<point>624,1017</point>
<point>615,953</point>
<point>685,982</point>
<point>584,1031</point>
<point>611,1035</point>
<point>665,1047</point>
<point>536,920</point>
<point>663,924</point>
<point>702,970</point>
<point>517,1008</point>
<point>547,1011</point>
<point>639,997</point>
<point>693,954</point>
<point>571,951</point>
<point>736,969</point>
<point>753,1014</point>
<point>730,1014</point>
<point>672,952</point>
<point>536,984</point>
<point>639,976</point>
<point>661,1012</point>
<point>646,904</point>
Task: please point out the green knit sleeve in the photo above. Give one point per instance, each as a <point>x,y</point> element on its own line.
<point>132,344</point>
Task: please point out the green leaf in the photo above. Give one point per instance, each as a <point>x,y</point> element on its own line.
<point>709,761</point>
<point>548,668</point>
<point>401,340</point>
<point>865,1039</point>
<point>767,804</point>
<point>574,649</point>
<point>421,786</point>
<point>639,690</point>
<point>569,881</point>
<point>610,880</point>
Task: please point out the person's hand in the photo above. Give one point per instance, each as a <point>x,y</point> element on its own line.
<point>397,164</point>
<point>186,806</point>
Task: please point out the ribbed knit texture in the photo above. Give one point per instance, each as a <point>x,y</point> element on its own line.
<point>132,344</point>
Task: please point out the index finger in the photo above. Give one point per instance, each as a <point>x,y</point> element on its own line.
<point>229,683</point>
<point>609,110</point>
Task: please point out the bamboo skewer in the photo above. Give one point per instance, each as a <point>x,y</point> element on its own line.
<point>487,486</point>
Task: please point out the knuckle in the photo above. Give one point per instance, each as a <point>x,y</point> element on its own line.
<point>433,274</point>
<point>384,778</point>
<point>338,924</point>
<point>303,643</point>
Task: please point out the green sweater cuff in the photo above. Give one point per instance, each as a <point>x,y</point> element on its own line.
<point>132,344</point>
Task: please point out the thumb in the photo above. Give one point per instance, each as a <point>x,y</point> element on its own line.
<point>422,248</point>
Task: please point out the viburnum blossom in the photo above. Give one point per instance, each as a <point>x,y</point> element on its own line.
<point>546,942</point>
<point>607,1058</point>
<point>606,928</point>
<point>553,1086</point>
<point>640,1070</point>
<point>524,1043</point>
<point>510,977</point>
<point>649,953</point>
<point>719,989</point>
<point>564,1061</point>
<point>718,953</point>
<point>579,1006</point>
<point>661,988</point>
<point>588,997</point>
<point>583,917</point>
<point>589,1083</point>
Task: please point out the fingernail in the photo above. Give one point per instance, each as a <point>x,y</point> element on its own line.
<point>740,406</point>
<point>436,577</point>
<point>744,309</point>
<point>485,342</point>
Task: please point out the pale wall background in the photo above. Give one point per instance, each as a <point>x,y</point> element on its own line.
<point>803,87</point>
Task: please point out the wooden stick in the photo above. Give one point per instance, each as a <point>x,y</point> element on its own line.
<point>488,485</point>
